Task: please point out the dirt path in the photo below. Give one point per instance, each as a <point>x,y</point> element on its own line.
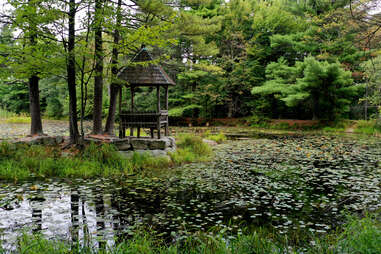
<point>50,127</point>
<point>351,128</point>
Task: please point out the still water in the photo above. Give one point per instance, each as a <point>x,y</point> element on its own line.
<point>293,183</point>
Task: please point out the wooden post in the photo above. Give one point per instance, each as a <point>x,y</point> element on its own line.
<point>158,111</point>
<point>151,129</point>
<point>132,98</point>
<point>166,98</point>
<point>158,98</point>
<point>132,108</point>
<point>166,108</point>
<point>138,132</point>
<point>158,128</point>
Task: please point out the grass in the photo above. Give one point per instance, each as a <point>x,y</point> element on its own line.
<point>219,138</point>
<point>359,126</point>
<point>11,117</point>
<point>18,119</point>
<point>4,114</point>
<point>19,162</point>
<point>358,235</point>
<point>368,127</point>
<point>338,126</point>
<point>190,149</point>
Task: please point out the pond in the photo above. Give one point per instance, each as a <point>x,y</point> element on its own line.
<point>285,183</point>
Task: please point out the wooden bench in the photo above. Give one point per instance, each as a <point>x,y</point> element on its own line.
<point>138,120</point>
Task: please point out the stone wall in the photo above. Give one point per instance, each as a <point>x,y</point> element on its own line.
<point>157,147</point>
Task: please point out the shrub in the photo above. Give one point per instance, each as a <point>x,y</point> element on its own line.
<point>367,127</point>
<point>193,144</point>
<point>219,138</point>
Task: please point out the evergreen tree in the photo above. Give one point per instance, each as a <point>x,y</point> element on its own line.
<point>325,88</point>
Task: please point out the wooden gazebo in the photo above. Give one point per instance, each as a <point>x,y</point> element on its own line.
<point>144,74</point>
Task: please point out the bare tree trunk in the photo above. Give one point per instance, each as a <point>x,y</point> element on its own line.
<point>34,94</point>
<point>98,79</point>
<point>73,119</point>
<point>114,88</point>
<point>34,106</point>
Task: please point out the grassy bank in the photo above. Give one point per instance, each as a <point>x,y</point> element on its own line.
<point>357,236</point>
<point>369,127</point>
<point>19,162</point>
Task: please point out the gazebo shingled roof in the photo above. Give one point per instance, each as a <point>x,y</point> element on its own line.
<point>145,75</point>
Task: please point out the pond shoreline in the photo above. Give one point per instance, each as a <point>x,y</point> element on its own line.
<point>288,184</point>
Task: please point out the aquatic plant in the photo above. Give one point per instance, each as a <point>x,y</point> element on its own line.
<point>359,235</point>
<point>219,138</point>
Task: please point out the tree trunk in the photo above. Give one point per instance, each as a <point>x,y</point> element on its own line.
<point>98,79</point>
<point>315,108</point>
<point>73,119</point>
<point>230,108</point>
<point>114,88</point>
<point>34,93</point>
<point>34,106</point>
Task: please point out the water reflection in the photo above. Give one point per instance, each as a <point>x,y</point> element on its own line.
<point>249,183</point>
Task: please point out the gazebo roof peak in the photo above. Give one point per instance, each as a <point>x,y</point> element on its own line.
<point>147,74</point>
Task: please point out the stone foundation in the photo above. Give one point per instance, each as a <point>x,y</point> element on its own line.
<point>40,140</point>
<point>126,146</point>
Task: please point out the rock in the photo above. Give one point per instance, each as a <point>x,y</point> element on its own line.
<point>122,145</point>
<point>89,140</point>
<point>126,154</point>
<point>158,153</point>
<point>50,141</point>
<point>37,140</point>
<point>170,150</point>
<point>158,144</point>
<point>140,144</point>
<point>172,141</point>
<point>154,153</point>
<point>59,139</point>
<point>210,142</point>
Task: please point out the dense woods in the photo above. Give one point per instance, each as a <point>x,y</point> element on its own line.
<point>309,59</point>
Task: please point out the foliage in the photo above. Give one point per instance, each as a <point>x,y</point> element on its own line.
<point>23,162</point>
<point>368,127</point>
<point>372,70</point>
<point>219,138</point>
<point>325,88</point>
<point>4,114</point>
<point>358,235</point>
<point>18,119</point>
<point>190,148</point>
<point>217,52</point>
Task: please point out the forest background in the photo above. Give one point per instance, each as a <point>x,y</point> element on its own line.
<point>286,59</point>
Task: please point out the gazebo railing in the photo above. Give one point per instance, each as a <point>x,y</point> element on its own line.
<point>151,120</point>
